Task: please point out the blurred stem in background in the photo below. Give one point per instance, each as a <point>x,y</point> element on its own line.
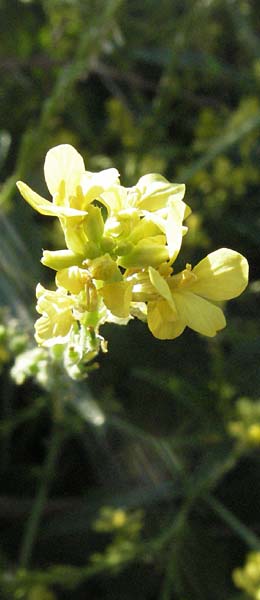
<point>48,473</point>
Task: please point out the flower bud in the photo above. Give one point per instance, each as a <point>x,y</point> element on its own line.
<point>94,224</point>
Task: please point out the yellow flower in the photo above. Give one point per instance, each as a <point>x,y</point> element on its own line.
<point>145,221</point>
<point>118,260</point>
<point>73,279</point>
<point>72,189</point>
<point>71,186</point>
<point>247,578</point>
<point>79,283</point>
<point>63,169</point>
<point>57,319</point>
<point>188,299</point>
<point>151,193</point>
<point>143,225</point>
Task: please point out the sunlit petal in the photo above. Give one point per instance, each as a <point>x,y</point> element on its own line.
<point>177,210</point>
<point>162,287</point>
<point>73,279</point>
<point>161,321</point>
<point>63,168</point>
<point>117,297</point>
<point>222,275</point>
<point>56,321</point>
<point>199,314</point>
<point>155,191</point>
<point>44,207</point>
<point>114,199</point>
<point>94,184</point>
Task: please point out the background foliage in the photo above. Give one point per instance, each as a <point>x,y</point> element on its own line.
<point>143,481</point>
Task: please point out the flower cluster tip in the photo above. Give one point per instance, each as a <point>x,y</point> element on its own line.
<point>121,244</point>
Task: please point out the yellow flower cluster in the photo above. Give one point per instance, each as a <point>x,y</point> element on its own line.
<point>125,527</point>
<point>118,264</point>
<point>248,577</point>
<point>246,425</point>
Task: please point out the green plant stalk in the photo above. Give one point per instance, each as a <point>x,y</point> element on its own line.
<point>234,523</point>
<point>7,393</point>
<point>32,525</point>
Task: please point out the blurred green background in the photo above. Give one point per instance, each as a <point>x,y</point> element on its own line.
<point>142,481</point>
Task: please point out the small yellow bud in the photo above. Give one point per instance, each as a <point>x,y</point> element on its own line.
<point>60,259</point>
<point>254,434</point>
<point>119,518</point>
<point>40,592</point>
<point>104,268</point>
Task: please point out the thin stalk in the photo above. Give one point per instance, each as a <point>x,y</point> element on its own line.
<point>32,525</point>
<point>234,523</point>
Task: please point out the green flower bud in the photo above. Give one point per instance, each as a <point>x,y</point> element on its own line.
<point>94,224</point>
<point>104,268</point>
<point>107,244</point>
<point>147,252</point>
<point>124,248</point>
<point>60,259</point>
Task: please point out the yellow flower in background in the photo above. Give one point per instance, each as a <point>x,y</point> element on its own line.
<point>245,426</point>
<point>247,578</point>
<point>188,299</point>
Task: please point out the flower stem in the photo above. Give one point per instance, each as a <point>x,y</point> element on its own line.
<point>34,519</point>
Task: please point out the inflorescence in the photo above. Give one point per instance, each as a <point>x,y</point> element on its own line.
<point>121,246</point>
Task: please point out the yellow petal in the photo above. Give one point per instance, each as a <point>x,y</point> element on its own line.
<point>161,321</point>
<point>222,275</point>
<point>94,184</point>
<point>40,290</point>
<point>48,332</point>
<point>199,314</point>
<point>44,207</point>
<point>57,319</point>
<point>162,287</point>
<point>146,227</point>
<point>63,164</point>
<point>75,236</point>
<point>156,190</point>
<point>177,211</point>
<point>117,297</point>
<point>114,199</point>
<point>73,279</point>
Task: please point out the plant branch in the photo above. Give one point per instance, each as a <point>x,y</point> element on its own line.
<point>34,519</point>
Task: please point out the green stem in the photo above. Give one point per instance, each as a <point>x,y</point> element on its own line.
<point>234,523</point>
<point>34,519</point>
